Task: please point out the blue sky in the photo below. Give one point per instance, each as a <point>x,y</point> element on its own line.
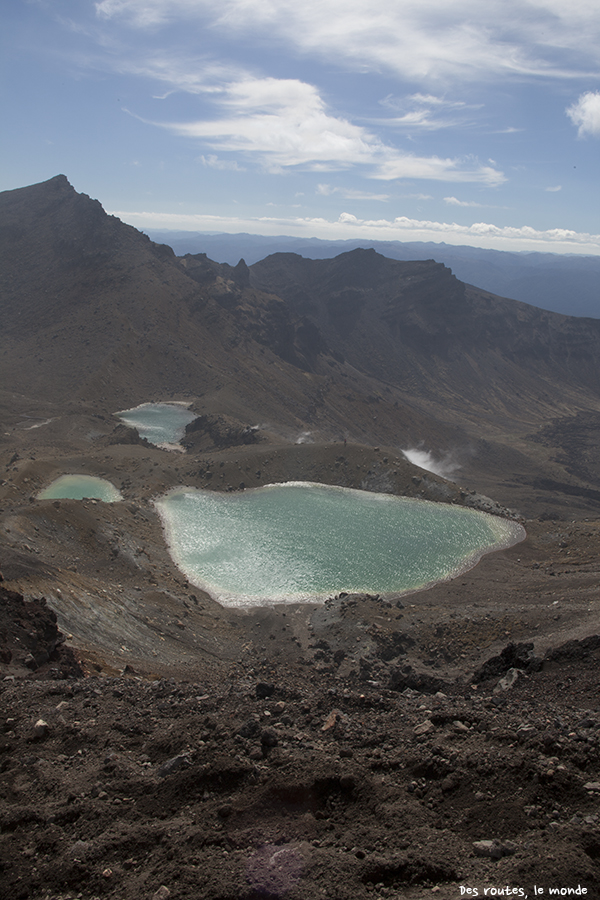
<point>461,121</point>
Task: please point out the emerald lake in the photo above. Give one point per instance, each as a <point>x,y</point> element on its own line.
<point>300,541</point>
<point>81,487</point>
<point>162,424</point>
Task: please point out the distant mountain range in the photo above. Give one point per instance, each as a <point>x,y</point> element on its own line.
<point>561,283</point>
<point>97,317</point>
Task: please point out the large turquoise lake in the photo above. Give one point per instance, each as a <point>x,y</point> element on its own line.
<point>299,541</point>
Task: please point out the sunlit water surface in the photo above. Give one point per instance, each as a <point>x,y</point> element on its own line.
<point>162,424</point>
<point>300,541</point>
<point>81,487</point>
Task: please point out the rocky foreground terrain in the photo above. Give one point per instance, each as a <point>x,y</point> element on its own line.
<point>272,780</point>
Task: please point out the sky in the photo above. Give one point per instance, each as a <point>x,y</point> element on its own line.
<point>461,121</point>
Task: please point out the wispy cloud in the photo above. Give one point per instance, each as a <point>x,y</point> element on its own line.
<point>196,75</point>
<point>437,102</point>
<point>426,112</point>
<point>434,168</point>
<point>213,162</point>
<point>419,39</point>
<point>454,201</point>
<point>554,190</point>
<point>285,123</point>
<point>326,190</point>
<point>585,114</point>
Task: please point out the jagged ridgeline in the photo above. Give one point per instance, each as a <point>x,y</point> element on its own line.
<point>359,347</point>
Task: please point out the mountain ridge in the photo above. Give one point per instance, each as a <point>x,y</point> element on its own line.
<point>424,306</point>
<point>565,283</point>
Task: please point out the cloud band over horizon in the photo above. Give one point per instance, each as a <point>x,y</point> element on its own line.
<point>348,226</point>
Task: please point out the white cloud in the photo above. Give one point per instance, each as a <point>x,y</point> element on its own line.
<point>213,162</point>
<point>285,123</point>
<point>196,75</point>
<point>141,13</point>
<point>553,190</point>
<point>433,100</point>
<point>326,190</point>
<point>436,169</point>
<point>585,114</point>
<point>419,39</point>
<point>480,234</point>
<point>454,201</point>
<point>425,112</point>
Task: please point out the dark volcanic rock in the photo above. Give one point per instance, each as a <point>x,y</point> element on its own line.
<point>403,678</point>
<point>123,434</point>
<point>264,690</point>
<point>514,656</point>
<point>208,432</point>
<point>29,637</point>
<point>392,645</point>
<point>574,650</point>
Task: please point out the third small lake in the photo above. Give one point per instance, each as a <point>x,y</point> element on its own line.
<point>162,424</point>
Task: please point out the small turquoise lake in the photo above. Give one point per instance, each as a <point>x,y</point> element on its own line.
<point>300,541</point>
<point>81,487</point>
<point>162,424</point>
